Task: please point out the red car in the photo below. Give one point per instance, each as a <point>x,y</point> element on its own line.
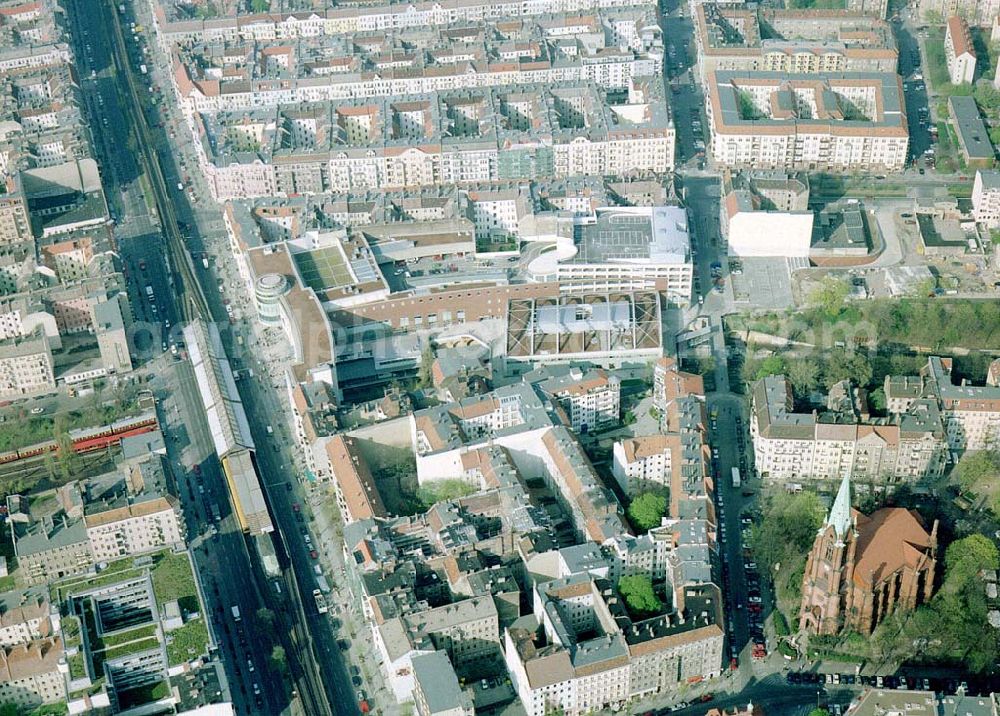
<point>314,554</point>
<point>197,469</point>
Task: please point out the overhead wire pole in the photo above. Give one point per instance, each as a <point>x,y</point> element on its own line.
<point>194,306</point>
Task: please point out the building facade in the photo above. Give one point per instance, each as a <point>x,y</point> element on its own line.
<point>590,402</point>
<point>970,413</point>
<point>134,529</point>
<point>862,568</point>
<point>986,198</point>
<point>909,446</point>
<point>581,652</point>
<point>30,674</point>
<point>644,462</point>
<point>25,617</point>
<point>51,550</point>
<point>979,13</point>
<point>837,122</point>
<point>959,52</point>
<point>26,366</point>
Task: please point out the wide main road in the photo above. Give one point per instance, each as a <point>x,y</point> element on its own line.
<point>192,304</point>
<point>190,297</point>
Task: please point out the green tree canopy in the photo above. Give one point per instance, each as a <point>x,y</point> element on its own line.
<point>877,400</point>
<point>830,296</point>
<point>440,490</point>
<point>647,509</point>
<point>979,472</point>
<point>425,376</point>
<point>951,626</point>
<point>966,557</point>
<point>278,658</point>
<point>804,375</point>
<point>637,591</point>
<point>847,365</point>
<point>772,365</point>
<point>788,527</point>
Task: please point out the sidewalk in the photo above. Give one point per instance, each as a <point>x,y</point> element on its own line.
<point>326,529</point>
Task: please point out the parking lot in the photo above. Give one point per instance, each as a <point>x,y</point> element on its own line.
<point>764,282</point>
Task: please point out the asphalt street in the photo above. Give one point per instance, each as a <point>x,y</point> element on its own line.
<point>137,234</point>
<point>220,550</point>
<point>202,228</point>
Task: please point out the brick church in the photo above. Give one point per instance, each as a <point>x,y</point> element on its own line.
<point>862,567</point>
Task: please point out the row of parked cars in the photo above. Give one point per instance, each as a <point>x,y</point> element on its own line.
<point>878,682</point>
<point>755,599</point>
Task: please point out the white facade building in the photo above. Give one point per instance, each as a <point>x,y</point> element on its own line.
<point>959,51</point>
<point>643,461</point>
<point>837,122</point>
<point>135,529</point>
<point>986,198</point>
<point>753,232</point>
<point>623,248</point>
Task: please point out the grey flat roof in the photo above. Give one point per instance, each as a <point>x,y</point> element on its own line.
<point>658,234</point>
<point>728,81</point>
<point>438,682</point>
<point>584,317</point>
<point>973,136</point>
<point>62,534</point>
<point>990,179</point>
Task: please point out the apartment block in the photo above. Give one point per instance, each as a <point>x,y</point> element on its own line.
<point>26,365</point>
<point>837,122</point>
<point>126,512</point>
<point>729,37</point>
<point>970,413</point>
<point>461,136</point>
<point>468,630</point>
<point>546,48</point>
<point>24,616</point>
<point>50,549</point>
<point>970,130</point>
<point>646,462</point>
<point>986,198</point>
<point>588,402</point>
<point>30,674</point>
<point>671,383</point>
<point>909,446</point>
<point>112,318</point>
<point>174,28</point>
<point>357,495</point>
<point>314,419</point>
<point>580,651</point>
<point>959,52</point>
<point>141,526</point>
<point>15,226</point>
<point>979,13</point>
<point>437,691</point>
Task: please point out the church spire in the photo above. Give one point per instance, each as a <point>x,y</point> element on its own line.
<point>840,513</point>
